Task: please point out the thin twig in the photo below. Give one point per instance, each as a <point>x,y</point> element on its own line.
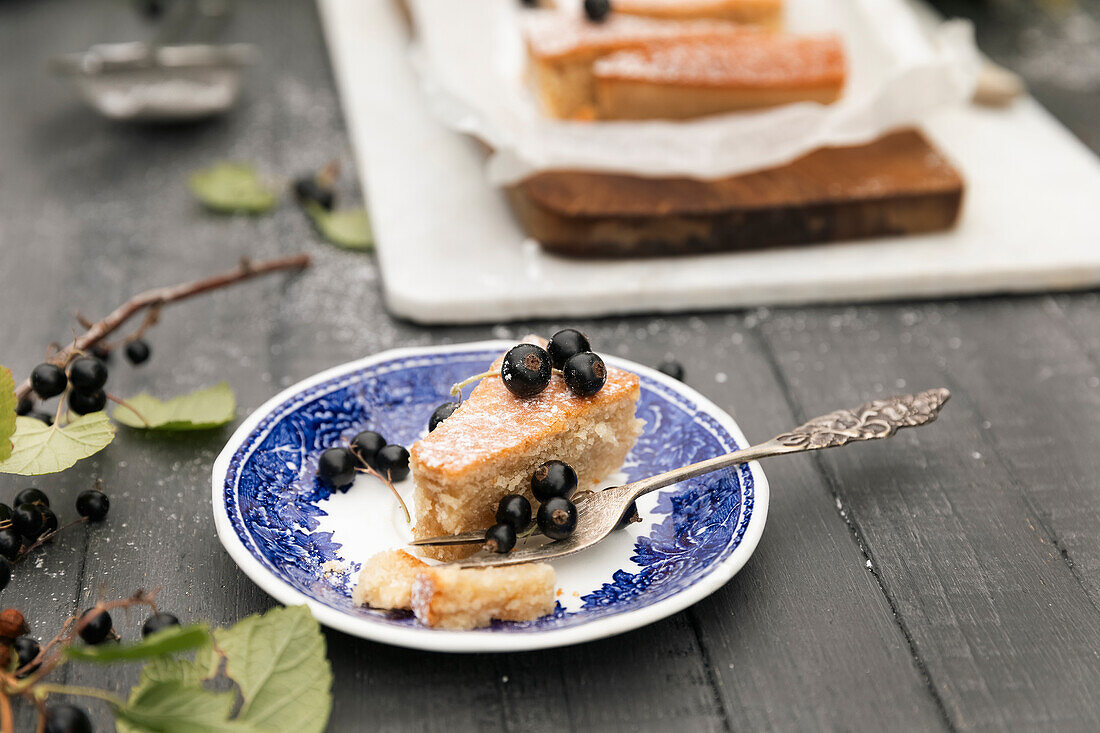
<point>365,468</point>
<point>162,296</point>
<point>7,720</point>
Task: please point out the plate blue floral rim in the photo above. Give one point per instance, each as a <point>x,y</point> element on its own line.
<point>265,500</point>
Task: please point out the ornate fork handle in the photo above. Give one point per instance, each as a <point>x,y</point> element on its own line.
<point>872,420</point>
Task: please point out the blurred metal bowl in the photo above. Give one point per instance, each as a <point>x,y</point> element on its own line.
<point>142,82</point>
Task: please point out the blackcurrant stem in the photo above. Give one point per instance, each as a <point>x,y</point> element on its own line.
<point>7,720</point>
<point>456,389</point>
<point>62,402</point>
<point>95,692</point>
<point>43,539</point>
<point>393,489</point>
<point>159,297</point>
<point>128,406</point>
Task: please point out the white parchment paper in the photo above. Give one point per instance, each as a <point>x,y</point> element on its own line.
<point>471,59</point>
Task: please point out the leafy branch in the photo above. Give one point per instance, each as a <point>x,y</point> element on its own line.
<point>153,300</point>
<point>275,664</point>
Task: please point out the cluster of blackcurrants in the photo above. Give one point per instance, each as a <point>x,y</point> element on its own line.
<point>83,380</point>
<point>337,466</point>
<point>32,521</point>
<point>553,485</point>
<point>527,368</point>
<point>596,10</point>
<point>95,626</point>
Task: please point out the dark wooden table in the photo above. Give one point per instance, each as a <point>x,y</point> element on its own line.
<point>946,580</point>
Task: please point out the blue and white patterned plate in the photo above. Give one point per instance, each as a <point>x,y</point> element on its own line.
<point>303,543</point>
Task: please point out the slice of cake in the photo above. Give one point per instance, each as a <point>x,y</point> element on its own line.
<point>386,580</point>
<point>745,71</point>
<point>450,597</point>
<point>562,48</point>
<point>767,13</point>
<point>495,440</point>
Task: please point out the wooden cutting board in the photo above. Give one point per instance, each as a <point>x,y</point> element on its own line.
<point>450,249</point>
<point>899,184</point>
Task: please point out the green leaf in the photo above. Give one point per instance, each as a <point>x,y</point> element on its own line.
<point>7,411</point>
<point>207,408</point>
<point>185,671</point>
<point>38,448</point>
<point>175,707</point>
<point>347,228</point>
<point>167,641</point>
<point>278,660</point>
<point>232,188</point>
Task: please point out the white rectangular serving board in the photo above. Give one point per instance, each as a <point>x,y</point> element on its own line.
<point>451,252</point>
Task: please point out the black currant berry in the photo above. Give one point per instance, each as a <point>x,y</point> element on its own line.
<point>500,538</point>
<point>101,352</point>
<point>95,627</point>
<point>65,718</point>
<point>584,374</point>
<point>366,446</point>
<point>26,649</point>
<point>441,413</point>
<point>93,505</point>
<point>5,573</point>
<point>27,521</point>
<point>43,417</point>
<point>48,380</point>
<point>597,10</point>
<point>557,518</point>
<point>49,521</point>
<point>526,370</point>
<point>5,512</point>
<point>336,467</point>
<point>83,403</point>
<point>31,496</point>
<point>158,622</point>
<point>137,352</point>
<point>514,510</point>
<point>393,461</point>
<point>87,374</point>
<point>672,368</point>
<point>10,543</point>
<point>629,516</point>
<point>529,3</point>
<point>566,343</point>
<point>307,189</point>
<point>24,406</point>
<point>553,478</point>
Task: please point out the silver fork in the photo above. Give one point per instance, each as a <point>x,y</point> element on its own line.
<point>598,512</point>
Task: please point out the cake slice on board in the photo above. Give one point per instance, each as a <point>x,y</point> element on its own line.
<point>713,75</point>
<point>767,13</point>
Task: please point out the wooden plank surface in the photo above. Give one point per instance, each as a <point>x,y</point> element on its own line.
<point>978,610</point>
